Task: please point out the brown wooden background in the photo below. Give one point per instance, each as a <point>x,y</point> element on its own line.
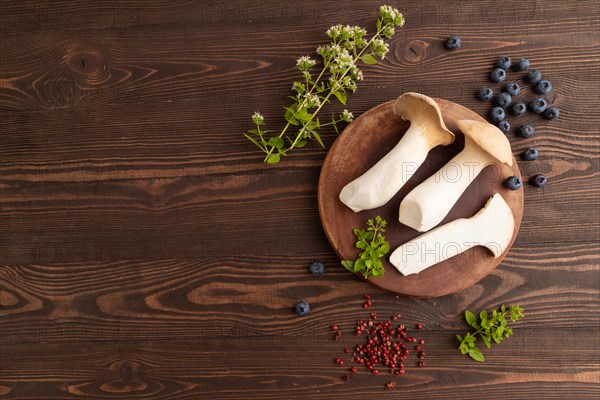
<point>146,252</point>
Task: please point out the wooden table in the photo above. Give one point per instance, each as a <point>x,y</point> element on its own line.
<point>147,252</point>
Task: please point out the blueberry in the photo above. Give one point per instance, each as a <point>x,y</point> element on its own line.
<point>518,109</point>
<point>551,113</point>
<point>521,65</point>
<point>497,114</point>
<point>533,77</point>
<point>503,100</point>
<point>317,268</point>
<point>503,62</point>
<point>539,180</point>
<point>513,183</point>
<point>453,42</point>
<point>498,75</point>
<point>543,87</point>
<point>302,308</point>
<point>504,126</point>
<point>513,88</point>
<point>485,93</point>
<point>525,131</point>
<point>530,154</point>
<point>538,105</point>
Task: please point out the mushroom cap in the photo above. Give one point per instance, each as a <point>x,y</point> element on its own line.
<point>488,138</point>
<point>423,111</point>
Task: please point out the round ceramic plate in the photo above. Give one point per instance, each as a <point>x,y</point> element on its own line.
<point>366,140</point>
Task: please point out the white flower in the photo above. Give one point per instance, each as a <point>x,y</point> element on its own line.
<point>257,118</point>
<point>334,31</point>
<point>312,100</point>
<point>380,47</point>
<point>356,73</point>
<point>391,15</point>
<point>346,116</point>
<point>304,63</point>
<point>358,31</point>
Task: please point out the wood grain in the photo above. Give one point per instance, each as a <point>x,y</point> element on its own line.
<point>297,368</point>
<point>146,252</point>
<point>226,294</point>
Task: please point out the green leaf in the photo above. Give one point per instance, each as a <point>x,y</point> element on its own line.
<point>341,96</point>
<point>276,142</point>
<point>303,115</point>
<point>486,340</point>
<point>290,111</point>
<point>349,265</point>
<point>470,339</point>
<point>361,245</point>
<point>273,158</point>
<point>334,123</point>
<point>378,25</point>
<point>483,315</point>
<point>368,59</point>
<point>316,135</point>
<point>464,349</point>
<point>300,143</point>
<point>471,318</point>
<point>385,248</point>
<point>360,265</point>
<point>476,355</point>
<point>460,339</point>
<point>260,146</point>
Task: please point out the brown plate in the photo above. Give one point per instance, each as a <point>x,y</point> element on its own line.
<point>358,148</point>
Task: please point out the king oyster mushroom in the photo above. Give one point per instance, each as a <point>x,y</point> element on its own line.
<point>427,130</point>
<point>492,227</point>
<point>427,204</point>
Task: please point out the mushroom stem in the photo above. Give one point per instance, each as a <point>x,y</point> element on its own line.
<point>492,227</point>
<point>427,204</point>
<point>380,183</point>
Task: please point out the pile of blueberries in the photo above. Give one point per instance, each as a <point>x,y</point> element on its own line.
<point>504,101</point>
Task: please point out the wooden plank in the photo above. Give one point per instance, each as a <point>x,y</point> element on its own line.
<point>36,15</point>
<point>183,216</point>
<point>252,292</point>
<point>274,367</point>
<point>145,251</point>
<point>97,66</point>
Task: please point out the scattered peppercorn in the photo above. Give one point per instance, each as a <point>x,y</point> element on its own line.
<point>385,344</point>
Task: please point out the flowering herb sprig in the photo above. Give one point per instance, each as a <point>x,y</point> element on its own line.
<point>488,327</point>
<point>338,76</point>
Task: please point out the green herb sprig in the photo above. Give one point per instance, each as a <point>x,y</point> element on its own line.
<point>489,328</point>
<point>338,76</point>
<point>373,246</point>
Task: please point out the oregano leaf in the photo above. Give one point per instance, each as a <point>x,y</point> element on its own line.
<point>476,355</point>
<point>471,318</point>
<point>368,59</point>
